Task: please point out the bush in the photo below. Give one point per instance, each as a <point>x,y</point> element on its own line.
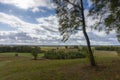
<point>35,52</point>
<point>16,54</point>
<point>60,54</point>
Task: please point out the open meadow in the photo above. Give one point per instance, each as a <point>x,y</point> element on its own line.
<point>23,67</point>
<point>59,39</point>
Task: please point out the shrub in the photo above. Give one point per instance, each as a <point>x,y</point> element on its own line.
<point>66,47</point>
<point>35,52</point>
<point>84,50</point>
<point>60,54</point>
<point>16,54</point>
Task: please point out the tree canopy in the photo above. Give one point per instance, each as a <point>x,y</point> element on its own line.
<point>108,12</point>
<point>71,19</point>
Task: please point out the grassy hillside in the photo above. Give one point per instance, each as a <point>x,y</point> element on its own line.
<point>24,68</point>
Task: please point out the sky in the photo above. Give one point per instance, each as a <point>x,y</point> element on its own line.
<point>34,22</point>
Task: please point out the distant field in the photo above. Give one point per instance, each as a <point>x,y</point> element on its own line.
<point>24,68</point>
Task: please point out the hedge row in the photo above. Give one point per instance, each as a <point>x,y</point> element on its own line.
<point>62,54</point>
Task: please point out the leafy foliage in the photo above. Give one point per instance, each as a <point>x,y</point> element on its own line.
<point>61,54</point>
<point>108,12</point>
<point>70,18</point>
<point>35,52</point>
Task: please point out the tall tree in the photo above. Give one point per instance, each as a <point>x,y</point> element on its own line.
<point>108,13</point>
<point>72,19</point>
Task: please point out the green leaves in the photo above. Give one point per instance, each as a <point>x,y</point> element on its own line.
<point>109,10</point>
<point>69,16</point>
<point>35,51</point>
<point>65,54</point>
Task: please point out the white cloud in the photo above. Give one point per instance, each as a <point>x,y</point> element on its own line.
<point>90,22</point>
<point>46,32</point>
<point>38,10</point>
<point>50,22</point>
<point>43,31</point>
<point>89,3</point>
<point>100,34</point>
<point>28,4</point>
<point>35,10</point>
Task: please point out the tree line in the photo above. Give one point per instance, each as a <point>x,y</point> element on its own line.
<point>19,49</point>
<point>108,48</point>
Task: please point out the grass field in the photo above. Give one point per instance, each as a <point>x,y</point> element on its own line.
<point>19,54</point>
<point>24,68</point>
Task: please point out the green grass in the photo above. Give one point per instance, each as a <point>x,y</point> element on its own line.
<point>24,68</point>
<point>20,54</point>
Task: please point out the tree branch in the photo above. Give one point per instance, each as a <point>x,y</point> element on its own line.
<point>74,4</point>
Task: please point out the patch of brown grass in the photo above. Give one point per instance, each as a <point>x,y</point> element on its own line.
<point>104,71</point>
<point>23,68</point>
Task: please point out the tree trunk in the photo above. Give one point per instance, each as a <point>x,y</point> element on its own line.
<point>92,60</point>
<point>35,57</point>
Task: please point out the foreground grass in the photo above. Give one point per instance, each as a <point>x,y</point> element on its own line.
<point>20,55</point>
<point>24,68</point>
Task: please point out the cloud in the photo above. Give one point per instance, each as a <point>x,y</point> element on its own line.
<point>50,22</point>
<point>29,4</point>
<point>16,23</point>
<point>35,10</point>
<point>15,37</point>
<point>89,3</point>
<point>46,33</point>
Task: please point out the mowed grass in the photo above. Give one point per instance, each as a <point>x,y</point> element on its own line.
<point>24,68</point>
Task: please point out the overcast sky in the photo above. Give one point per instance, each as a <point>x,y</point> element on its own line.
<point>34,22</point>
